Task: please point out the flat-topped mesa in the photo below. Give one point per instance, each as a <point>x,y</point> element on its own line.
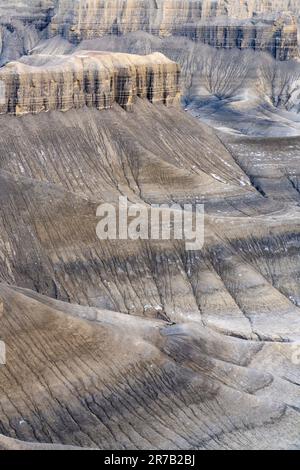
<point>38,84</point>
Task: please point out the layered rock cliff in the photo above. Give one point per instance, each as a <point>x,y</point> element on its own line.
<point>221,23</point>
<point>93,79</point>
<point>151,11</point>
<point>85,19</point>
<point>277,34</point>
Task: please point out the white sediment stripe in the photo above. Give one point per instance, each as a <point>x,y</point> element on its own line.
<point>2,353</point>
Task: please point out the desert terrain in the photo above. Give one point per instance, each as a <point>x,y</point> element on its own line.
<point>142,344</point>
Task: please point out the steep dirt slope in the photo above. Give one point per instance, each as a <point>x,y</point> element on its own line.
<point>153,155</point>
<point>142,344</point>
<point>110,381</point>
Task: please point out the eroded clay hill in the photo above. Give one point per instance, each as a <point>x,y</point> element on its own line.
<point>142,344</point>
<point>97,379</point>
<point>104,366</point>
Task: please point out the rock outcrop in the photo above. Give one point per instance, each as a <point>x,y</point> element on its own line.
<point>87,19</point>
<point>219,24</point>
<point>93,79</point>
<point>277,35</point>
<point>262,25</point>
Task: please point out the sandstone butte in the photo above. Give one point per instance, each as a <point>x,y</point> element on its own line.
<point>93,79</point>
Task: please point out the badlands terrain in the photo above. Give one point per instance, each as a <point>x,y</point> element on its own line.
<point>142,344</point>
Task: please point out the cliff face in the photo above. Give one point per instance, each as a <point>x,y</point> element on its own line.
<point>93,79</point>
<point>249,8</point>
<point>27,10</point>
<point>220,23</point>
<point>85,19</point>
<point>164,11</point>
<point>277,35</point>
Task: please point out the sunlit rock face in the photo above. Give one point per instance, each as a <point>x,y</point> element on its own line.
<point>220,23</point>
<point>93,79</point>
<point>83,18</point>
<point>263,25</point>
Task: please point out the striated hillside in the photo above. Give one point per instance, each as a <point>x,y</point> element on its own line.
<point>93,79</point>
<point>140,344</point>
<point>97,379</point>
